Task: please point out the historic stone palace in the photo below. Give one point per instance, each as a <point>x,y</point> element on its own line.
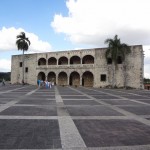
<point>87,67</point>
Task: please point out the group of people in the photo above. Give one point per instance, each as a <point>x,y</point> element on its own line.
<point>46,84</point>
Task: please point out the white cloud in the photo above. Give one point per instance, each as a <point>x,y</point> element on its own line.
<point>92,21</point>
<point>8,40</point>
<point>5,65</point>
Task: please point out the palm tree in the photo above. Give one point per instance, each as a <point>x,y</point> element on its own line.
<point>117,50</point>
<point>23,44</point>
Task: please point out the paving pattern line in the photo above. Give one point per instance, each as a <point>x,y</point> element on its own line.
<point>13,90</point>
<point>145,116</point>
<point>45,105</point>
<point>99,117</point>
<point>70,136</point>
<point>122,111</point>
<point>128,93</point>
<point>131,105</point>
<point>124,98</point>
<point>13,102</point>
<point>139,147</point>
<point>29,117</point>
<point>57,95</point>
<point>35,149</point>
<point>33,91</point>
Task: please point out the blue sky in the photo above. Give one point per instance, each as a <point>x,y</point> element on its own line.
<point>54,25</point>
<point>33,16</point>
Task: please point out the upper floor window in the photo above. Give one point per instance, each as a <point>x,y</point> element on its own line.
<point>63,61</point>
<point>42,61</point>
<point>20,64</point>
<point>88,59</point>
<point>109,61</point>
<point>119,60</point>
<point>75,60</point>
<point>52,61</point>
<point>26,69</point>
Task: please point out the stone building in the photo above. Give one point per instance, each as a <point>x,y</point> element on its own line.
<point>86,67</point>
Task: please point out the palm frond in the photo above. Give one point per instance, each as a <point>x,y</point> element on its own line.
<point>108,51</point>
<point>22,42</point>
<point>116,48</point>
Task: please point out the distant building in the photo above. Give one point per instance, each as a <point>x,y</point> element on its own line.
<point>86,67</point>
<point>147,86</point>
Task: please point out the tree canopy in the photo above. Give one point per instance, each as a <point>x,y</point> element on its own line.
<point>116,48</point>
<point>22,42</point>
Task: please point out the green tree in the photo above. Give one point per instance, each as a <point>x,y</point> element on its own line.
<point>23,44</point>
<point>146,80</point>
<point>115,51</point>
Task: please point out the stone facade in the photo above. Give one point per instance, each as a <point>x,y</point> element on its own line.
<point>86,67</point>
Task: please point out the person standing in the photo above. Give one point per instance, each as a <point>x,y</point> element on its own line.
<point>50,85</point>
<point>38,82</point>
<point>3,82</point>
<point>46,84</point>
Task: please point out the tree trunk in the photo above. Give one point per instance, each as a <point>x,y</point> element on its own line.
<point>113,75</point>
<point>125,73</point>
<point>23,68</point>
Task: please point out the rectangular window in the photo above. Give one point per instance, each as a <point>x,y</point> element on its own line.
<point>119,60</point>
<point>26,69</point>
<point>109,61</point>
<point>20,64</point>
<point>103,77</point>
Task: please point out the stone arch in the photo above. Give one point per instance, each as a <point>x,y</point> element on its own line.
<point>41,76</point>
<point>62,78</point>
<point>74,78</point>
<point>52,61</point>
<point>63,61</point>
<point>41,61</point>
<point>75,60</point>
<point>87,79</point>
<point>51,77</point>
<point>88,59</point>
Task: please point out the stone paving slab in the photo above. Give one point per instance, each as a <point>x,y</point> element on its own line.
<point>69,118</point>
<point>5,100</point>
<point>10,87</point>
<point>138,110</point>
<point>30,111</point>
<point>121,102</point>
<point>69,94</point>
<point>18,92</point>
<point>8,96</point>
<point>42,96</point>
<point>145,101</point>
<point>92,111</point>
<point>12,94</point>
<point>100,133</point>
<point>38,102</point>
<point>38,98</point>
<point>45,95</point>
<point>74,97</point>
<point>105,97</point>
<point>81,102</point>
<point>29,134</point>
<point>136,97</point>
<point>96,94</point>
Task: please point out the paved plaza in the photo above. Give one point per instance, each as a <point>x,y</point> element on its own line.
<point>74,118</point>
